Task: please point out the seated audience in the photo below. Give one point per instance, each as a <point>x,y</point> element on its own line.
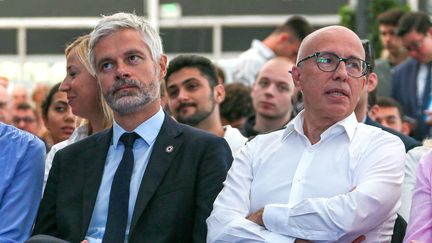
<point>237,105</point>
<point>368,99</point>
<point>148,178</point>
<point>21,176</point>
<point>411,85</point>
<point>195,94</point>
<point>323,177</point>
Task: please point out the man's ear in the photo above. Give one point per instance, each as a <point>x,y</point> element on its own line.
<point>373,111</point>
<point>163,60</point>
<point>406,128</point>
<point>219,93</point>
<point>295,73</point>
<point>283,36</point>
<point>372,81</point>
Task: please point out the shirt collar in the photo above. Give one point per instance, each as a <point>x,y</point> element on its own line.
<point>348,125</point>
<point>263,49</point>
<point>147,130</point>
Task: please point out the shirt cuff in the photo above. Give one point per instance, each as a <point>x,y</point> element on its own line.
<point>272,216</point>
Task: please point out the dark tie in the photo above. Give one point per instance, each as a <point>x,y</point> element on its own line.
<point>119,197</point>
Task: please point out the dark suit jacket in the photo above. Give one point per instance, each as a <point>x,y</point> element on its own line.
<point>408,141</point>
<point>404,90</point>
<point>175,197</point>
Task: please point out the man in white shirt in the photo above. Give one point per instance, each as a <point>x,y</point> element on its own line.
<point>195,94</point>
<point>326,177</point>
<point>283,41</point>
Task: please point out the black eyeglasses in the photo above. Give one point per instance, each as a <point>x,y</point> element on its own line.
<point>329,62</point>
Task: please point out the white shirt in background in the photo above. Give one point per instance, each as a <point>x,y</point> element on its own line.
<point>234,139</point>
<point>250,62</point>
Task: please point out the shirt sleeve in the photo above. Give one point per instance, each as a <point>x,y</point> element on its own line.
<point>347,216</point>
<point>412,160</point>
<point>227,222</point>
<point>20,202</point>
<point>420,223</point>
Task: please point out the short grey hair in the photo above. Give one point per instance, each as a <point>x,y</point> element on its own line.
<point>119,21</point>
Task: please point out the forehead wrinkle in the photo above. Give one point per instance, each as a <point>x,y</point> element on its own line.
<point>315,40</point>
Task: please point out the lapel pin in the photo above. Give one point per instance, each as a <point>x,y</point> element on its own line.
<point>169,149</point>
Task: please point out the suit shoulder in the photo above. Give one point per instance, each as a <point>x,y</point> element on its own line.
<point>197,133</point>
<point>408,64</point>
<point>12,136</point>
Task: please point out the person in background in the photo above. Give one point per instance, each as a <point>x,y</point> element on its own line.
<point>394,52</point>
<point>19,95</point>
<point>84,97</point>
<point>388,112</point>
<point>21,176</point>
<point>322,178</point>
<point>195,94</point>
<point>25,117</point>
<point>57,117</point>
<point>272,98</point>
<point>284,41</point>
<point>5,115</point>
<point>237,105</point>
<point>412,79</point>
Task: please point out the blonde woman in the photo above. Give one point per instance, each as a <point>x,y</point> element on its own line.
<point>84,96</point>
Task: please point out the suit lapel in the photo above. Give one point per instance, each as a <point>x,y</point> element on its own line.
<point>93,170</point>
<point>164,151</point>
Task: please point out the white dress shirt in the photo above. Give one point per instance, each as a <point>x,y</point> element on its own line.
<point>346,185</point>
<point>250,62</point>
<point>234,139</point>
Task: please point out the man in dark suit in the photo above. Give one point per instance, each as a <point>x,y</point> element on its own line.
<point>411,83</point>
<point>174,171</point>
